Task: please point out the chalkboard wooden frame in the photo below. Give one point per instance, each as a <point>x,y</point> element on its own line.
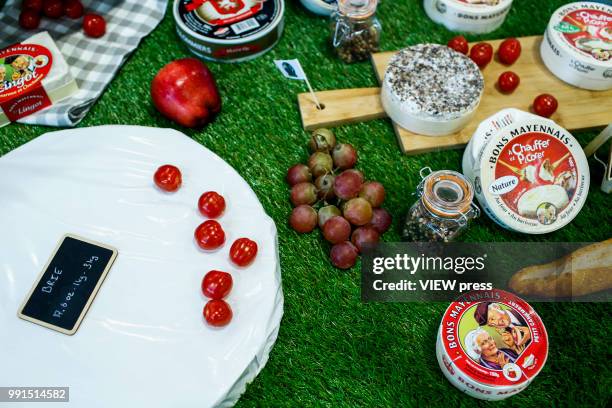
<point>92,295</point>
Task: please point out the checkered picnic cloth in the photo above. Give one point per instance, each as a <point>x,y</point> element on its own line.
<point>93,61</point>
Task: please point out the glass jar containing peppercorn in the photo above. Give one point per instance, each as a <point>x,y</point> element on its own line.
<point>355,30</point>
<point>444,208</point>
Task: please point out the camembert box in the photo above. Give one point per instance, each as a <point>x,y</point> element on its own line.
<point>33,76</point>
<point>577,46</point>
<point>530,175</point>
<point>471,16</point>
<point>491,344</point>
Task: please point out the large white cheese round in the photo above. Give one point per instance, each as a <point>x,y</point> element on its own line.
<point>144,341</point>
<point>431,89</point>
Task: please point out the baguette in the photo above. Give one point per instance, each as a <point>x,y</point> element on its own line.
<point>584,271</point>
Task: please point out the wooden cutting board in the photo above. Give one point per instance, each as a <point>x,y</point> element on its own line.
<point>578,108</point>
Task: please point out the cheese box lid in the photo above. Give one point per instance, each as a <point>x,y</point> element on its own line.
<point>532,176</point>
<point>228,22</point>
<point>584,30</point>
<point>494,338</point>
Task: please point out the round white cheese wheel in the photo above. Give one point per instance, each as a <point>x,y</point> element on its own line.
<point>577,45</point>
<point>145,329</point>
<point>431,89</point>
<point>530,175</point>
<point>471,16</point>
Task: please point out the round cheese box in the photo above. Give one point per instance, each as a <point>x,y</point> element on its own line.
<point>530,175</point>
<point>577,45</point>
<point>229,30</point>
<point>491,344</point>
<point>320,7</point>
<point>470,16</point>
<point>431,89</point>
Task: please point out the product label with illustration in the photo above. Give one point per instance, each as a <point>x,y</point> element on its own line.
<point>22,69</point>
<point>588,29</point>
<point>481,2</point>
<point>534,177</point>
<point>228,19</point>
<point>494,338</point>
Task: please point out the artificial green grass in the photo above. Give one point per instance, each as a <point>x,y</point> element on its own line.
<point>332,349</point>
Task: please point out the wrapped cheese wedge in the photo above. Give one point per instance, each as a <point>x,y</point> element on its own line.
<point>33,76</point>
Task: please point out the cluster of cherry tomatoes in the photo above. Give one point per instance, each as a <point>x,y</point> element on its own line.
<point>508,53</point>
<point>210,236</point>
<point>94,25</point>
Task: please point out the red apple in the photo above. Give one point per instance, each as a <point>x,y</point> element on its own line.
<point>185,92</point>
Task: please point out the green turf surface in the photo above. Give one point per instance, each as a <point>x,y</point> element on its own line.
<point>332,349</point>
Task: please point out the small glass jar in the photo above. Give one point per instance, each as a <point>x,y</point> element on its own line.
<point>355,30</point>
<point>443,210</point>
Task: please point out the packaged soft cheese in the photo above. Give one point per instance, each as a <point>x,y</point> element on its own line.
<point>577,45</point>
<point>471,16</point>
<point>491,344</point>
<point>530,175</point>
<point>33,76</point>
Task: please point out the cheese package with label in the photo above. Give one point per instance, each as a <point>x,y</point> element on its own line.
<point>491,344</point>
<point>470,16</point>
<point>530,174</point>
<point>229,31</point>
<point>33,76</point>
<point>577,45</point>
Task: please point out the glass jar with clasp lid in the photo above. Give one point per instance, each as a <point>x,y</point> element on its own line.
<point>444,209</point>
<point>355,30</point>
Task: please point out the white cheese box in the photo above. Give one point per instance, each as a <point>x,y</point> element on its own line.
<point>491,344</point>
<point>33,76</point>
<point>432,90</point>
<point>321,7</point>
<point>470,16</point>
<point>577,45</point>
<point>530,175</point>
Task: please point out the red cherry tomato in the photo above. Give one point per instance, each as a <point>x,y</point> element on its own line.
<point>53,8</point>
<point>36,5</point>
<point>211,204</point>
<point>29,19</point>
<point>217,284</point>
<point>509,51</point>
<point>243,251</point>
<point>209,235</point>
<point>508,81</point>
<point>73,8</point>
<point>459,44</point>
<point>481,54</point>
<point>217,313</point>
<point>168,178</point>
<point>545,105</point>
<point>94,25</point>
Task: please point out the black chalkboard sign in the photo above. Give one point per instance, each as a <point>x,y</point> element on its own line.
<point>68,284</point>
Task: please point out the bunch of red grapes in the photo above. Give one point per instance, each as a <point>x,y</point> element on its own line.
<point>339,201</point>
<point>94,25</point>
